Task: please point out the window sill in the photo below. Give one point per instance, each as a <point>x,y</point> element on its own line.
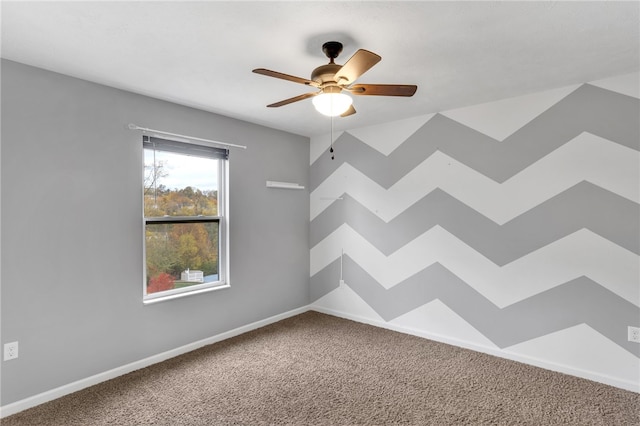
<point>159,299</point>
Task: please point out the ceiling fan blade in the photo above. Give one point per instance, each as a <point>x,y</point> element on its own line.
<point>357,65</point>
<point>348,112</point>
<point>292,100</point>
<point>287,77</point>
<point>383,89</point>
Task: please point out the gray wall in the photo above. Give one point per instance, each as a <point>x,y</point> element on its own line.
<point>510,226</point>
<point>72,230</point>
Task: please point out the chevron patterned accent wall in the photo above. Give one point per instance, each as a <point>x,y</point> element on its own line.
<point>510,227</point>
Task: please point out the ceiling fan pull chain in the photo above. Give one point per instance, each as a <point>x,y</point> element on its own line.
<point>331,150</point>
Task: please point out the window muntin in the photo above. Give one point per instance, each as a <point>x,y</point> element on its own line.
<point>184,221</point>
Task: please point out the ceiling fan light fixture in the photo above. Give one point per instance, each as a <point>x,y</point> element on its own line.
<point>332,104</point>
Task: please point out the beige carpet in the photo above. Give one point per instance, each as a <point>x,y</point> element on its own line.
<point>315,369</point>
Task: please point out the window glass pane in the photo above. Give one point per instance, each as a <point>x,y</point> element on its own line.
<point>179,185</point>
<point>181,254</point>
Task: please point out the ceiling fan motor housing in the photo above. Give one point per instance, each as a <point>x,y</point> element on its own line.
<point>325,73</point>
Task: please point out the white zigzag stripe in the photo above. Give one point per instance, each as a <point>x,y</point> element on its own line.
<point>583,349</point>
<point>587,157</point>
<point>582,253</point>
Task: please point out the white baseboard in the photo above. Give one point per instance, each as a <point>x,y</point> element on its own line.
<point>61,391</point>
<point>560,368</point>
<point>56,393</point>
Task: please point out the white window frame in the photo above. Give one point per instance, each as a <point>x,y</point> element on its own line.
<point>192,148</point>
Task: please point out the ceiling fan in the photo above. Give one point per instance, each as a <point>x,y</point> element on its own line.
<point>332,79</point>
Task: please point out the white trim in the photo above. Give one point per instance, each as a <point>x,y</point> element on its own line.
<point>61,391</point>
<point>190,292</point>
<point>560,368</point>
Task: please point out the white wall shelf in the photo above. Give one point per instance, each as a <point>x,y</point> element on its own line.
<point>283,185</point>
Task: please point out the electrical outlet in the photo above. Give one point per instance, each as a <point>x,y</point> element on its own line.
<point>10,351</point>
<point>634,334</point>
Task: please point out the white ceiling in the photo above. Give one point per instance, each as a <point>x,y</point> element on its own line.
<point>201,53</point>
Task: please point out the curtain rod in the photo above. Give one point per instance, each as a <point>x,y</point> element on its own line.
<point>132,126</point>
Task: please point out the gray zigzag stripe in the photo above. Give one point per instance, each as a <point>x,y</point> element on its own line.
<point>583,206</point>
<point>575,302</point>
<point>588,108</point>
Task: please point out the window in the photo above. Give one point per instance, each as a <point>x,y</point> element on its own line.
<point>185,199</point>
